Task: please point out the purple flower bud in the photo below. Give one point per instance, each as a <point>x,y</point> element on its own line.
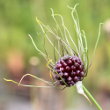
<point>71,69</point>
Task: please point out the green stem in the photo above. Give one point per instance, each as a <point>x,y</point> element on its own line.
<point>92,98</point>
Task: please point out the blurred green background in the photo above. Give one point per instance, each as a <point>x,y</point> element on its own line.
<point>18,56</point>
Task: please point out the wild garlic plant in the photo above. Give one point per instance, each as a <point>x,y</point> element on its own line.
<point>70,63</point>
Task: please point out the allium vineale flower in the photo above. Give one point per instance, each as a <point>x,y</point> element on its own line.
<point>69,62</point>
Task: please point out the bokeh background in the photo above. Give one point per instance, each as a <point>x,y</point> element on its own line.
<point>18,56</point>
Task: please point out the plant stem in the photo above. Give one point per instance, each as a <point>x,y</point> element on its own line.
<point>92,98</point>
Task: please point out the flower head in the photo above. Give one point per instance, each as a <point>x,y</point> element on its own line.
<point>69,70</point>
<point>69,64</point>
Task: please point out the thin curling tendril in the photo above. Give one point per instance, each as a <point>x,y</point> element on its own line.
<point>25,85</point>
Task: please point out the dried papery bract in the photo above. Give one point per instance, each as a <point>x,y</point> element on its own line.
<point>71,63</point>
<point>80,90</point>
